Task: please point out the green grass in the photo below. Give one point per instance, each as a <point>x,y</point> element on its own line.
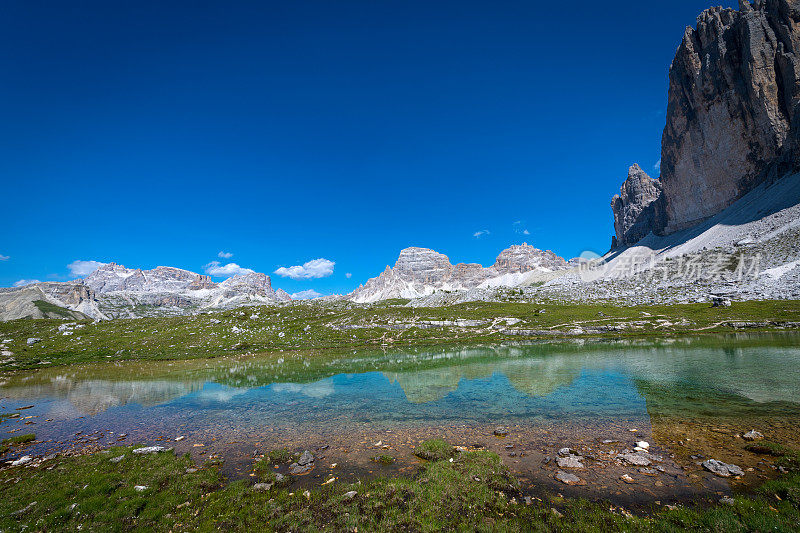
<point>383,459</point>
<point>315,328</point>
<point>474,492</point>
<point>51,309</point>
<point>434,450</point>
<point>6,444</point>
<point>766,448</point>
<point>279,456</point>
<point>788,458</point>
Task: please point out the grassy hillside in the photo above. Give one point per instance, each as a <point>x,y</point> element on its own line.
<point>312,327</point>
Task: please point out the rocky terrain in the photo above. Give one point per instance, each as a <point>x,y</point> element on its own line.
<point>421,272</point>
<point>114,291</point>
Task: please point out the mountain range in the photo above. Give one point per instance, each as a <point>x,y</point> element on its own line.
<point>729,188</point>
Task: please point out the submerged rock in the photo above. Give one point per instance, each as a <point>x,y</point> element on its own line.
<point>305,458</point>
<point>150,449</point>
<point>572,461</point>
<point>636,459</point>
<point>722,469</point>
<point>567,478</point>
<point>752,435</point>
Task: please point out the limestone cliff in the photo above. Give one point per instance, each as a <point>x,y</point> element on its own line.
<point>733,115</point>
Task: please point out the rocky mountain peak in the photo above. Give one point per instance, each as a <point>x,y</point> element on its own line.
<point>635,207</point>
<point>422,271</point>
<point>733,117</point>
<point>524,257</point>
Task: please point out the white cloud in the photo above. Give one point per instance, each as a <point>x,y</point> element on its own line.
<point>657,166</point>
<point>348,275</point>
<point>316,268</point>
<point>481,233</point>
<point>4,257</point>
<point>23,282</point>
<point>305,295</point>
<point>225,255</point>
<point>519,227</point>
<point>214,268</point>
<point>83,268</point>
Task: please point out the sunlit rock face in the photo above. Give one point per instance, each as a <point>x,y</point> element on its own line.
<point>421,272</point>
<point>733,117</point>
<point>175,291</point>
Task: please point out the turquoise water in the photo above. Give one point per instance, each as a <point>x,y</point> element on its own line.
<point>247,398</point>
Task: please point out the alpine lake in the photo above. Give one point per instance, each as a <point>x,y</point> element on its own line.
<point>689,398</point>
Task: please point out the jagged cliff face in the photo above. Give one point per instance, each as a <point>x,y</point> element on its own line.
<point>733,114</point>
<point>421,272</point>
<point>733,97</point>
<point>635,207</point>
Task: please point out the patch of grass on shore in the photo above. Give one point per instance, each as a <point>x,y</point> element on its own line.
<point>474,492</point>
<point>6,444</point>
<point>434,450</point>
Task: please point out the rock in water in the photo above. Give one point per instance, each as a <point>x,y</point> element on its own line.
<point>569,462</point>
<point>150,449</point>
<point>305,458</point>
<point>722,469</point>
<point>567,478</point>
<point>752,435</point>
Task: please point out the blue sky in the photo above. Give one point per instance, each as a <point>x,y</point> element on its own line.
<point>285,132</point>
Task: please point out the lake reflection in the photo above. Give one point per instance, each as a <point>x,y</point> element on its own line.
<point>477,385</point>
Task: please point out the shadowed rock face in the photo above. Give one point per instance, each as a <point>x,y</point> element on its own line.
<point>635,206</point>
<point>733,114</point>
<point>733,98</point>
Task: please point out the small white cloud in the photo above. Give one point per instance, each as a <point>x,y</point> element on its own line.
<point>83,268</point>
<point>214,268</point>
<point>225,255</point>
<point>4,257</point>
<point>305,295</point>
<point>519,227</point>
<point>23,282</point>
<point>657,166</point>
<point>348,275</point>
<point>481,233</point>
<point>316,268</point>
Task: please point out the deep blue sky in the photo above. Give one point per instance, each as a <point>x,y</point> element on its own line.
<point>152,134</point>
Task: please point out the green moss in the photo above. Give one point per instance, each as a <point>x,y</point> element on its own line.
<point>383,459</point>
<point>434,450</point>
<point>279,456</point>
<point>766,448</point>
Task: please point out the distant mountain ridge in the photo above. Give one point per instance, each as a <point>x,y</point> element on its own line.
<point>421,272</point>
<point>114,291</point>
